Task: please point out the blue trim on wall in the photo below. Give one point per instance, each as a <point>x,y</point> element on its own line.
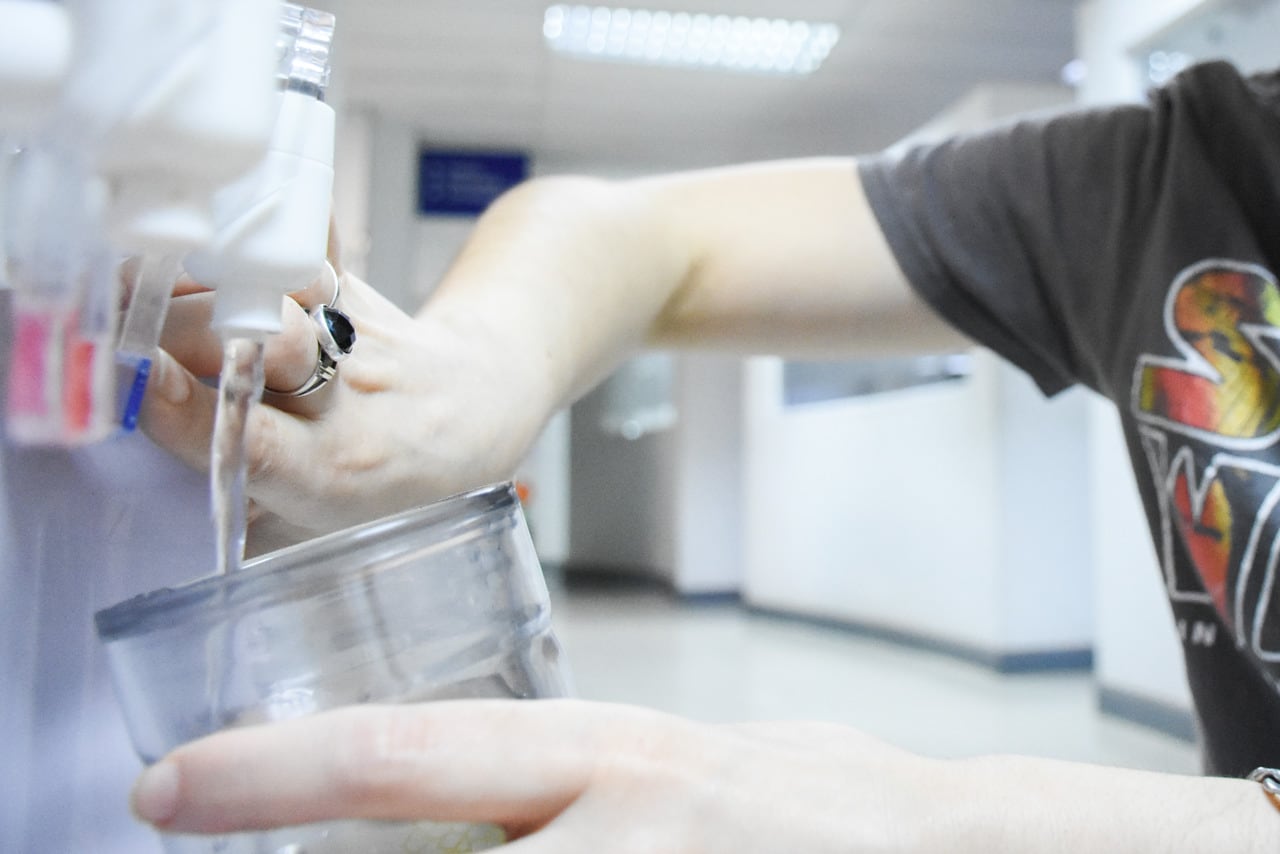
<point>595,576</point>
<point>1154,714</point>
<point>711,598</point>
<point>1034,661</point>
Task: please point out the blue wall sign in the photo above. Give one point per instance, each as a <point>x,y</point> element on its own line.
<point>464,183</point>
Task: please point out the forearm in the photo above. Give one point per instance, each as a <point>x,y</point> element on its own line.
<point>592,777</point>
<point>778,257</point>
<point>569,273</point>
<point>1024,805</point>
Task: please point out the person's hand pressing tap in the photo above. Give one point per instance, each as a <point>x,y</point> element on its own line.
<point>415,411</point>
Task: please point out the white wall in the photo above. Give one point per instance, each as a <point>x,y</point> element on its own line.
<point>1046,590</point>
<point>1106,32</point>
<point>667,504</point>
<point>1111,33</point>
<point>352,173</point>
<point>877,509</point>
<point>710,494</point>
<point>953,511</point>
<point>394,231</point>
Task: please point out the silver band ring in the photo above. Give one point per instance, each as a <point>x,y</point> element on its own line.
<point>328,275</point>
<point>332,275</point>
<point>337,285</point>
<point>335,338</point>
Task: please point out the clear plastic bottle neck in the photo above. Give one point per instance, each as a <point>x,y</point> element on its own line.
<point>303,48</point>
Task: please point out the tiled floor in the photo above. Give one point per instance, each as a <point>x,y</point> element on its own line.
<point>721,663</point>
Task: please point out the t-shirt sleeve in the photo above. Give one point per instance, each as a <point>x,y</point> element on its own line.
<point>1015,234</point>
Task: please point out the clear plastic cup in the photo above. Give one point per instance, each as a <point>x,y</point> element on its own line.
<point>446,601</point>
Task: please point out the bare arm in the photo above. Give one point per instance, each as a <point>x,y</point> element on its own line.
<point>561,280</point>
<point>779,257</point>
<point>581,777</point>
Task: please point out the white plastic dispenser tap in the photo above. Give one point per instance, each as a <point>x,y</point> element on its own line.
<point>169,100</point>
<point>272,225</point>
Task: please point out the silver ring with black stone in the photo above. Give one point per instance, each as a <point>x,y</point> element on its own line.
<point>335,338</point>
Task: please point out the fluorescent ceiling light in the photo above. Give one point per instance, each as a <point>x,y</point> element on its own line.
<point>736,43</point>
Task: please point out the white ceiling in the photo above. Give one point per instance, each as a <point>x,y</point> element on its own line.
<point>476,73</point>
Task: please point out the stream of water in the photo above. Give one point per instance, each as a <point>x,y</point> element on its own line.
<point>239,388</point>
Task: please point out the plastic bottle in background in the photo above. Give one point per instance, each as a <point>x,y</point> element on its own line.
<point>62,351</point>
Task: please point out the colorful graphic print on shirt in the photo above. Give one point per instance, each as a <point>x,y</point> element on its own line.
<point>1210,426</point>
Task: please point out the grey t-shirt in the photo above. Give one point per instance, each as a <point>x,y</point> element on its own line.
<point>1135,250</point>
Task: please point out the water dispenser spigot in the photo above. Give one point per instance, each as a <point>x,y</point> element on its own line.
<point>272,225</point>
<point>168,100</point>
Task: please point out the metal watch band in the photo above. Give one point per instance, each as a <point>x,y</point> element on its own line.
<point>1269,779</point>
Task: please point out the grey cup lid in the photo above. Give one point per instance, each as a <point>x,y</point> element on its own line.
<point>314,566</point>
